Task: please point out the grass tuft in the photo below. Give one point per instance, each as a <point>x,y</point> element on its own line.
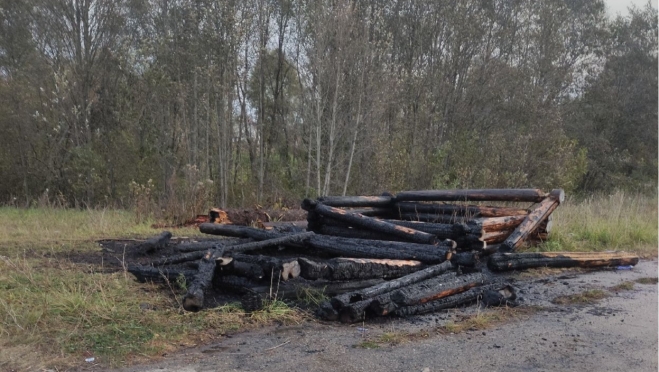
<point>585,298</point>
<point>624,286</point>
<point>647,280</point>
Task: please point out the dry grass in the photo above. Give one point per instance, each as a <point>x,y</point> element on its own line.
<point>488,318</point>
<point>624,286</point>
<point>54,313</point>
<point>621,221</point>
<point>647,280</point>
<point>585,298</point>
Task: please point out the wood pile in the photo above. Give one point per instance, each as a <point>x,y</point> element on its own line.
<point>412,253</point>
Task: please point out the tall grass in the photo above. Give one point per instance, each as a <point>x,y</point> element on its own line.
<point>620,221</point>
<point>38,227</point>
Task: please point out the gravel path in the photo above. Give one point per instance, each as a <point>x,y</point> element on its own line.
<point>618,333</point>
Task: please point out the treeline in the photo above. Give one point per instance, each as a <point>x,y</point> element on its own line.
<point>175,103</point>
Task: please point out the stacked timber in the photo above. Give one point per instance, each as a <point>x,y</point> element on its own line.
<point>432,216</point>
<point>411,253</point>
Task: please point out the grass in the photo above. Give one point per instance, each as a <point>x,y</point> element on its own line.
<point>620,221</point>
<point>488,318</point>
<point>55,313</point>
<point>584,298</point>
<point>647,280</point>
<point>624,286</point>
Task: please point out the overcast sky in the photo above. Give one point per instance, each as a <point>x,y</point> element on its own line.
<point>620,6</point>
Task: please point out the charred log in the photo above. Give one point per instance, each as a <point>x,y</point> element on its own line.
<point>518,195</point>
<point>155,243</point>
<point>356,268</point>
<point>519,261</point>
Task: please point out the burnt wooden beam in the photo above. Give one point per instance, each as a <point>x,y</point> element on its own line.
<point>283,268</point>
<point>155,243</point>
<point>530,224</point>
<point>356,201</point>
<point>194,298</point>
<point>516,195</point>
<point>432,218</point>
<point>429,272</point>
<point>364,248</point>
<point>520,261</point>
<point>470,211</point>
<point>435,288</point>
<point>208,244</point>
<point>357,268</point>
<point>281,240</point>
<point>369,223</point>
<point>292,289</point>
<point>355,233</point>
<point>456,300</point>
<point>440,230</point>
<point>237,231</point>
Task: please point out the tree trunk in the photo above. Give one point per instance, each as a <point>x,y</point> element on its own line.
<point>517,195</point>
<point>519,261</point>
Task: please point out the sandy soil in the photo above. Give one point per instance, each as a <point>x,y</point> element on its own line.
<point>618,333</point>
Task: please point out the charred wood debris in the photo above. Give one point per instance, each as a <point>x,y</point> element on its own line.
<point>411,253</point>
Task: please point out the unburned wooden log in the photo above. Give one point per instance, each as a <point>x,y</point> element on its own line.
<point>470,211</point>
<point>149,273</point>
<point>364,248</point>
<point>369,223</point>
<point>356,268</point>
<point>517,195</point>
<point>356,201</point>
<point>519,261</point>
<point>194,298</point>
<point>495,223</point>
<point>530,224</point>
<point>155,243</point>
<point>429,272</point>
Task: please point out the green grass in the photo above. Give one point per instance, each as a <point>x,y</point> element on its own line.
<point>621,221</point>
<point>624,286</point>
<point>647,280</point>
<point>54,313</point>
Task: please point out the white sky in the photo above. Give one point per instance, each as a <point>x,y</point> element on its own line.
<point>615,7</point>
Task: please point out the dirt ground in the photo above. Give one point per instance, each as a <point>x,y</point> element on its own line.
<point>618,333</point>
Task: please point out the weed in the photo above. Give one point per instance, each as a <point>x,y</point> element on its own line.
<point>624,286</point>
<point>486,319</point>
<point>647,280</point>
<point>311,296</point>
<point>584,298</point>
<point>368,344</point>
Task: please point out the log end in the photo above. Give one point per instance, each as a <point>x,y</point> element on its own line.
<point>327,312</point>
<point>290,270</point>
<point>308,204</point>
<point>193,301</point>
<point>558,195</point>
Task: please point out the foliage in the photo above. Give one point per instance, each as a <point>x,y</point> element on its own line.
<point>168,107</point>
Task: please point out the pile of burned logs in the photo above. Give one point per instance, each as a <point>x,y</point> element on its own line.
<point>411,253</point>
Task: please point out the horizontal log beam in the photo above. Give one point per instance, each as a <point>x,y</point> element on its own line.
<point>519,261</point>
<point>356,201</point>
<point>357,268</point>
<point>516,195</point>
<point>470,211</point>
<point>369,223</point>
